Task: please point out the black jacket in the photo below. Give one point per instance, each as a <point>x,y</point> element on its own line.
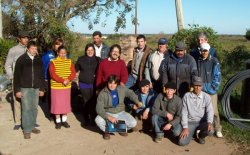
<point>28,73</point>
<point>87,67</point>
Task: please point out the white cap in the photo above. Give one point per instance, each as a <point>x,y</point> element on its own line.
<point>205,46</point>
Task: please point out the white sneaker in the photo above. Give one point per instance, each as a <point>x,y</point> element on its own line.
<point>219,134</point>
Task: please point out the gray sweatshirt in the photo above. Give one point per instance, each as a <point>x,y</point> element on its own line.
<point>13,54</point>
<point>196,107</point>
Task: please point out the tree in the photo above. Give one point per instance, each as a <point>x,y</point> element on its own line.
<point>45,17</point>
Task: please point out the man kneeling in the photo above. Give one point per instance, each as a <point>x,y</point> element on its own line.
<point>110,106</point>
<point>167,112</point>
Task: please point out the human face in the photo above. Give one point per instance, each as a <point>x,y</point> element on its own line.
<point>170,93</point>
<point>55,46</point>
<point>24,40</point>
<point>97,40</point>
<point>202,40</point>
<point>197,89</point>
<point>115,53</point>
<point>180,53</point>
<point>204,54</point>
<point>141,43</point>
<point>62,53</point>
<point>162,48</point>
<point>32,50</point>
<point>112,85</point>
<point>90,52</point>
<point>145,89</point>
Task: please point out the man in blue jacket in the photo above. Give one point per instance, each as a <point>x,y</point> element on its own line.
<point>209,71</point>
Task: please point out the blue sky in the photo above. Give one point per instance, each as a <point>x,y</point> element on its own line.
<point>157,16</point>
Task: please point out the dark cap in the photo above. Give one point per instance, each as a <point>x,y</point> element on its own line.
<point>162,41</point>
<point>23,34</point>
<point>143,83</point>
<point>97,33</point>
<point>197,81</point>
<point>170,85</point>
<point>180,46</point>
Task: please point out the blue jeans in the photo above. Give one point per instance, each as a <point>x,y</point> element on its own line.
<point>131,81</point>
<point>130,120</point>
<point>158,122</point>
<point>193,127</point>
<point>30,101</point>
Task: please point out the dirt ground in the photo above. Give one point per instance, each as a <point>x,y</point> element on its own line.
<point>78,140</point>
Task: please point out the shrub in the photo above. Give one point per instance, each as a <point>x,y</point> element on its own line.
<point>5,45</point>
<point>248,34</point>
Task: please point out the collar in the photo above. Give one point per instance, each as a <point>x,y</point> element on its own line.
<point>97,46</point>
<point>30,56</point>
<point>197,96</point>
<point>109,59</point>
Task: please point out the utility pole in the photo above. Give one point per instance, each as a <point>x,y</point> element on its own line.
<point>136,19</point>
<point>179,14</point>
<point>1,23</point>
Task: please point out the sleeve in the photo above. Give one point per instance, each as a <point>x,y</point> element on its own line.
<point>164,71</point>
<point>193,67</point>
<point>99,75</point>
<point>124,73</point>
<point>156,109</point>
<point>151,101</point>
<point>73,72</point>
<point>147,67</point>
<point>42,82</point>
<point>53,75</point>
<point>77,65</point>
<point>9,64</point>
<point>17,75</point>
<point>131,95</point>
<point>209,109</point>
<point>177,116</point>
<point>45,65</point>
<point>184,113</point>
<point>100,105</point>
<point>216,77</point>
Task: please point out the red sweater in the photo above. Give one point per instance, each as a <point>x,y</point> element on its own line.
<point>107,67</point>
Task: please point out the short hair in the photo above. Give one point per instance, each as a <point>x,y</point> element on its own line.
<point>61,48</point>
<point>31,43</point>
<point>115,46</point>
<point>141,36</point>
<point>57,41</point>
<point>202,35</point>
<point>113,78</point>
<point>88,46</point>
<point>97,33</point>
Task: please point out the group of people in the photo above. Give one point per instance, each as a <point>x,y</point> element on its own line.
<point>165,92</point>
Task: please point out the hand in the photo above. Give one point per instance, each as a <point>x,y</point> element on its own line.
<point>167,127</point>
<point>139,104</point>
<point>145,114</point>
<point>209,126</point>
<point>170,117</point>
<point>184,133</point>
<point>19,94</point>
<point>122,84</point>
<point>65,82</point>
<point>41,93</point>
<point>112,119</point>
<point>135,107</point>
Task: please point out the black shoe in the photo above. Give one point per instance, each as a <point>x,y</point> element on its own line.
<point>36,131</point>
<point>37,125</point>
<point>58,125</point>
<point>17,127</point>
<point>106,136</point>
<point>65,124</point>
<point>201,140</point>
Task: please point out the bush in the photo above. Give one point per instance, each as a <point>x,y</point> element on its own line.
<point>248,34</point>
<point>5,45</point>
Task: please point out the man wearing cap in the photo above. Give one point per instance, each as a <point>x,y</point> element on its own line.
<point>197,114</point>
<point>153,70</point>
<point>147,96</point>
<point>101,49</point>
<point>202,38</point>
<point>167,112</point>
<point>140,56</point>
<point>13,54</point>
<point>209,71</point>
<point>179,68</point>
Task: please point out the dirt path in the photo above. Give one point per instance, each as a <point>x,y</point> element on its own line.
<point>77,140</point>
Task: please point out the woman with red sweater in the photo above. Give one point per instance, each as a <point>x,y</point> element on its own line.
<point>62,72</point>
<point>112,65</point>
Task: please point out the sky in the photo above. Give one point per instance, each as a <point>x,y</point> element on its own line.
<point>159,16</point>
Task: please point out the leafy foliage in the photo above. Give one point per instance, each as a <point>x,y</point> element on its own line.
<point>5,45</point>
<point>248,34</point>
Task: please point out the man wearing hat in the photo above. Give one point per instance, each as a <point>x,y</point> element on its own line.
<point>167,112</point>
<point>101,49</point>
<point>140,56</point>
<point>197,114</point>
<point>209,71</point>
<point>152,69</point>
<point>179,68</point>
<point>13,54</point>
<point>146,96</point>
